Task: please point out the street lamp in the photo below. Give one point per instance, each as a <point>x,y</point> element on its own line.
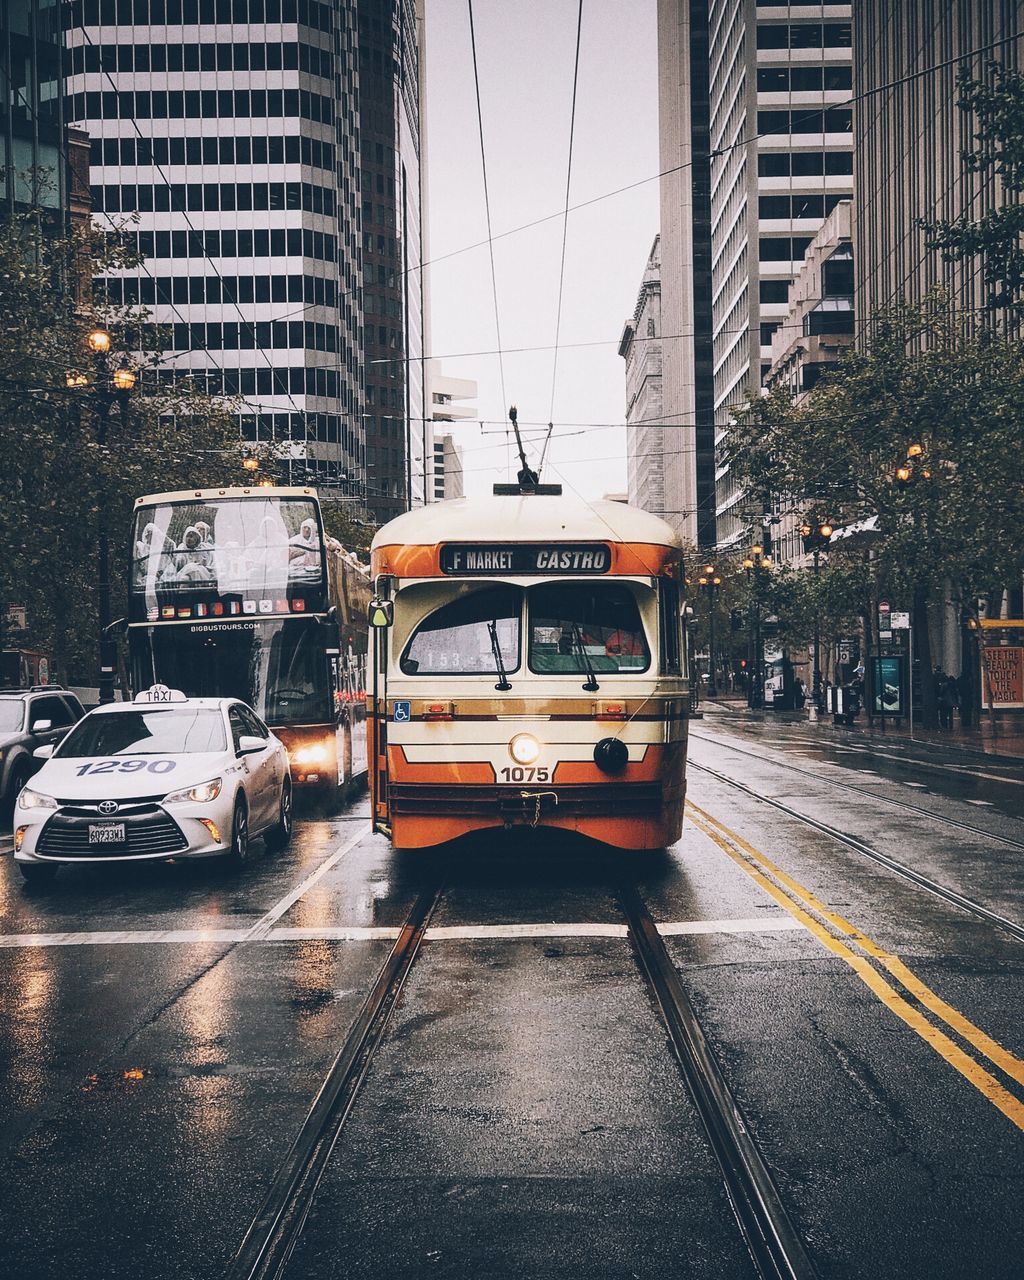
<point>710,580</point>
<point>106,386</point>
<point>816,535</point>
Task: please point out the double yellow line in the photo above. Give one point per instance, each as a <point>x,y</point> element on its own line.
<point>857,950</point>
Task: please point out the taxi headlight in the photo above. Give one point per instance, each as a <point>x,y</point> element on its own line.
<point>313,754</point>
<point>524,748</point>
<point>35,800</point>
<point>201,794</point>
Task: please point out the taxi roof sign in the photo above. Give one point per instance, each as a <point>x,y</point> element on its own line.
<point>160,693</point>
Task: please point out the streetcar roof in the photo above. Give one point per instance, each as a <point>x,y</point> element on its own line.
<point>215,494</point>
<point>526,518</point>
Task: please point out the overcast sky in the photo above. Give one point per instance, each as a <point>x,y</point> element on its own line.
<point>525,52</point>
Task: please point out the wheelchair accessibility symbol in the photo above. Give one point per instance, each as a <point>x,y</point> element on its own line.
<point>402,711</point>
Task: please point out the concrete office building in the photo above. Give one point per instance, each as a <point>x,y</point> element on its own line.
<point>756,90</point>
<point>909,140</point>
<point>230,130</point>
<point>652,450</point>
<point>809,342</point>
<point>447,469</point>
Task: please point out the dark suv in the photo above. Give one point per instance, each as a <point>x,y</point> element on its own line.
<point>30,718</point>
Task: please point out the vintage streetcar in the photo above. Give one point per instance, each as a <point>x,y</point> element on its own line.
<point>528,669</point>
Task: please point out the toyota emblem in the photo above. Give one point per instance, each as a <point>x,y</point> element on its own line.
<point>108,806</point>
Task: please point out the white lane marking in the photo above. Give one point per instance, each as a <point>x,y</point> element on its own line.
<point>982,804</point>
<point>918,786</point>
<point>763,924</point>
<point>263,925</point>
<point>372,933</point>
<point>480,932</point>
<point>350,933</point>
<point>117,937</point>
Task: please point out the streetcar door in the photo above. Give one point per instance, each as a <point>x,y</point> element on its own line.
<point>381,618</point>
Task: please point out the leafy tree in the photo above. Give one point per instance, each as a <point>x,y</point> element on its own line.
<point>60,487</point>
<point>922,432</point>
<point>997,236</point>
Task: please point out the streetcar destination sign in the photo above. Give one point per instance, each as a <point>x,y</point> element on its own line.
<point>580,557</point>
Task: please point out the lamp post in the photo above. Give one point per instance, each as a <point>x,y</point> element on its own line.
<point>816,535</point>
<point>710,580</point>
<point>106,386</point>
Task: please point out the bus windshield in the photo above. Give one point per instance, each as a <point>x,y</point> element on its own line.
<point>225,557</point>
<point>278,667</point>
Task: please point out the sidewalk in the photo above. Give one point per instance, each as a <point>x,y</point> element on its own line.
<point>1007,744</point>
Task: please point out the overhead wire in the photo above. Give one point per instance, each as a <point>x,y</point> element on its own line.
<point>487,201</point>
<point>565,234</point>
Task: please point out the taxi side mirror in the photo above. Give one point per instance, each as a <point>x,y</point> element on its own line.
<point>382,613</point>
<point>248,745</point>
<point>43,753</point>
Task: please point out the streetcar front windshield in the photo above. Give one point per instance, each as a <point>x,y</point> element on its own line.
<point>466,635</point>
<point>163,731</point>
<point>218,557</point>
<point>279,667</point>
<point>573,623</point>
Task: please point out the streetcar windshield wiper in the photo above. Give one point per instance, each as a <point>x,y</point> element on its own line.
<point>499,662</point>
<point>591,686</point>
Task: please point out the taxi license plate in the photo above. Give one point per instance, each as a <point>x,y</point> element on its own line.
<point>106,833</point>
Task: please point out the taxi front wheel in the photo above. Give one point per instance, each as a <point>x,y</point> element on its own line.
<point>238,854</point>
<point>280,833</point>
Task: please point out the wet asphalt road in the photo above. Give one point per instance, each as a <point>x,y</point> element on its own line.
<point>164,1029</point>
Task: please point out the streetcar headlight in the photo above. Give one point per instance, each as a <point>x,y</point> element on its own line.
<point>524,748</point>
<point>313,754</point>
<point>35,800</point>
<point>202,794</point>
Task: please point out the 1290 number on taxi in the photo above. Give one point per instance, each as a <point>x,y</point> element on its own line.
<point>126,766</point>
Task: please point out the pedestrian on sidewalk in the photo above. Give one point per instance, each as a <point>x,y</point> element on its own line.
<point>945,698</point>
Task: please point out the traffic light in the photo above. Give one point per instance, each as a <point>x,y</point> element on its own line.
<point>736,620</point>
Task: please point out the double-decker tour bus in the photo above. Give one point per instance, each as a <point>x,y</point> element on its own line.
<point>528,669</point>
<point>237,593</point>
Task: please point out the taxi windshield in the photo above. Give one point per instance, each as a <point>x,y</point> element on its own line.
<point>166,731</point>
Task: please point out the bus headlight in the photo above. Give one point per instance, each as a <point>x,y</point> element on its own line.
<point>316,753</point>
<point>524,748</point>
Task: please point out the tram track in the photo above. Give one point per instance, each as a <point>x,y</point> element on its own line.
<point>775,1248</point>
<point>277,1226</point>
<point>969,827</point>
<point>911,874</point>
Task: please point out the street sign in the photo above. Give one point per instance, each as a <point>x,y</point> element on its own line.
<point>884,620</point>
<point>900,621</point>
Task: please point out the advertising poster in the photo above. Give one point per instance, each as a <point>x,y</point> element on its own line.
<point>887,686</point>
<point>1005,665</point>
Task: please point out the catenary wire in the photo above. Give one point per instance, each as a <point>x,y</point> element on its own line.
<point>565,222</point>
<point>608,195</point>
<point>487,201</point>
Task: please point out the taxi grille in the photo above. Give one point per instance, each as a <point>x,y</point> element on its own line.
<point>148,831</point>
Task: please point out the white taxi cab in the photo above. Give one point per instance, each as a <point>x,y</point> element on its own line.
<point>164,776</point>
